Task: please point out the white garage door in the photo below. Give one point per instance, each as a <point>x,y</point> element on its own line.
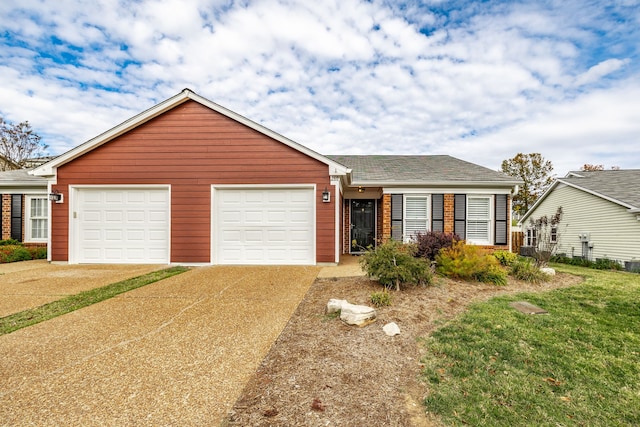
<point>264,226</point>
<point>121,225</point>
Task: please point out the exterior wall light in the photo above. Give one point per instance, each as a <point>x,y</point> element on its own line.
<point>56,197</point>
<point>326,195</point>
<point>360,189</point>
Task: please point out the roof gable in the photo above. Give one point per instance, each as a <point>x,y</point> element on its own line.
<point>49,169</point>
<point>617,186</point>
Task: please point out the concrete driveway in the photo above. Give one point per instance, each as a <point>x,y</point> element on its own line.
<point>176,352</point>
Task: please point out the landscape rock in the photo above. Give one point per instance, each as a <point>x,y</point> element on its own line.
<point>391,329</point>
<point>548,270</point>
<point>359,315</point>
<point>335,305</point>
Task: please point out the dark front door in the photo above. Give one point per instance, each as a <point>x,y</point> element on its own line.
<point>363,225</point>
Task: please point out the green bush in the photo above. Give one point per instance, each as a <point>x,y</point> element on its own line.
<point>38,253</point>
<point>526,270</point>
<point>600,263</point>
<point>469,262</point>
<point>19,253</point>
<point>394,263</point>
<point>506,258</point>
<point>9,242</point>
<point>494,274</point>
<point>381,298</point>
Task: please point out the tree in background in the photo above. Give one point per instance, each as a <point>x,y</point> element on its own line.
<point>18,143</point>
<point>591,168</point>
<point>535,172</point>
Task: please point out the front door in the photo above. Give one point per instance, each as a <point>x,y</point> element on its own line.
<point>363,225</point>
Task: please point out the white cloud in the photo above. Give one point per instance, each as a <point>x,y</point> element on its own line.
<point>491,79</point>
<point>600,70</point>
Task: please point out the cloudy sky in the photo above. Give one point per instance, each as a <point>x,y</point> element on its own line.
<point>480,81</point>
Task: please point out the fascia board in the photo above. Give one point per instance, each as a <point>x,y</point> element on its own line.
<point>49,168</point>
<point>447,184</point>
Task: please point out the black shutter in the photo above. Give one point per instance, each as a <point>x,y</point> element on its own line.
<point>16,217</point>
<point>437,212</point>
<point>396,216</point>
<point>501,216</point>
<point>460,215</point>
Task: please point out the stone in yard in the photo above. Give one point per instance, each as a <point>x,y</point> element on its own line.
<point>391,329</point>
<point>359,315</point>
<point>548,270</point>
<point>335,305</point>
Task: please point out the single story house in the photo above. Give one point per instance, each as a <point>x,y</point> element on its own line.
<point>600,214</point>
<point>189,181</point>
<point>24,207</point>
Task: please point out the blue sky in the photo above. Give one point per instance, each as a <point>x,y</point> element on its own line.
<point>478,80</point>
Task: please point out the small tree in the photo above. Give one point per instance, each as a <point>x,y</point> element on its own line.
<point>18,143</point>
<point>547,234</point>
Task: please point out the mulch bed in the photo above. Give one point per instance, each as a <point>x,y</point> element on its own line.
<point>322,372</point>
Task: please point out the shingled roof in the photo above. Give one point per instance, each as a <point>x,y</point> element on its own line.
<point>418,170</point>
<point>620,186</point>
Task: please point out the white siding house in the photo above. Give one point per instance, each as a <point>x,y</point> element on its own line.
<point>601,214</point>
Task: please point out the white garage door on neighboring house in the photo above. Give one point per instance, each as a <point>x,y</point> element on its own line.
<point>120,225</point>
<point>263,226</point>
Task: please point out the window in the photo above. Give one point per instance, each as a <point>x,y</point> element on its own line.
<point>553,236</point>
<point>416,215</point>
<point>479,220</point>
<point>531,239</point>
<point>37,212</point>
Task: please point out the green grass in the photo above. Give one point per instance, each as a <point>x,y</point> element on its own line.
<point>577,366</point>
<point>25,318</point>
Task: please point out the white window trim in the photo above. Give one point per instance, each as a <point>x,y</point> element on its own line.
<point>490,220</point>
<point>28,232</point>
<point>553,234</point>
<point>530,237</point>
<point>427,199</point>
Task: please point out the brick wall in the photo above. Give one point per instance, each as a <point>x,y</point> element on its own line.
<point>449,213</point>
<point>6,217</point>
<point>386,217</point>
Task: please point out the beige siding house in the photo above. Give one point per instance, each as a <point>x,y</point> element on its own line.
<point>601,214</point>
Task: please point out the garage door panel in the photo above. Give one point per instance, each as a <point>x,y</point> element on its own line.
<point>264,226</point>
<point>122,225</point>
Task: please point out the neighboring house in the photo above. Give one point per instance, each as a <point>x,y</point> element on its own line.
<point>189,181</point>
<point>601,214</point>
<point>24,207</point>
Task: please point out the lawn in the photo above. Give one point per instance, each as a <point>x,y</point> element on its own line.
<point>577,365</point>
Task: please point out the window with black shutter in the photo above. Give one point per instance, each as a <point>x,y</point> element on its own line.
<point>460,215</point>
<point>501,216</point>
<point>396,216</point>
<point>16,217</point>
<point>437,212</point>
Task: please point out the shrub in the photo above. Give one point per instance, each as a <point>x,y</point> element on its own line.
<point>18,253</point>
<point>394,263</point>
<point>430,243</point>
<point>469,262</point>
<point>381,298</point>
<point>526,270</point>
<point>9,242</point>
<point>494,274</point>
<point>505,258</point>
<point>38,253</point>
<point>600,263</point>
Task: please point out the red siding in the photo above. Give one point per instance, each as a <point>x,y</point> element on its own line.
<point>192,147</point>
